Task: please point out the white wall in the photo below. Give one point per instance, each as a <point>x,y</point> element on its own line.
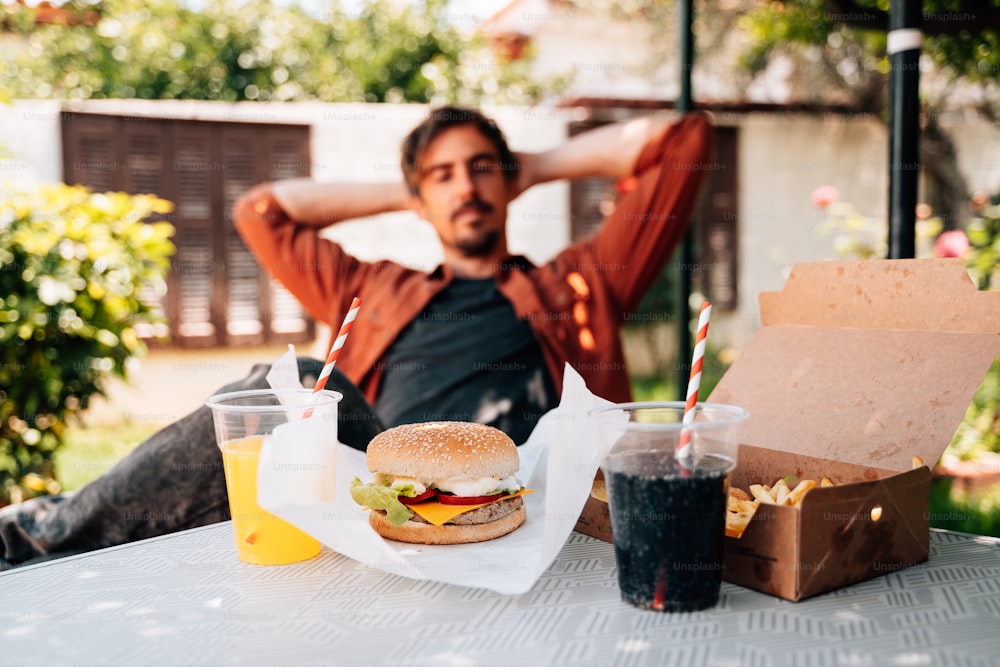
<point>978,150</point>
<point>30,136</point>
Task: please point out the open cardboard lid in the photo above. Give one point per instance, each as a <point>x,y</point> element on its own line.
<point>866,362</point>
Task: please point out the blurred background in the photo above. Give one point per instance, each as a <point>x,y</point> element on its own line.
<point>178,107</point>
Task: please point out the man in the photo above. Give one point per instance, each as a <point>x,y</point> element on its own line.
<point>431,343</point>
<point>484,337</point>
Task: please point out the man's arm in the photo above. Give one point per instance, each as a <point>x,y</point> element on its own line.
<point>308,202</point>
<point>647,223</point>
<point>610,151</point>
<point>280,222</point>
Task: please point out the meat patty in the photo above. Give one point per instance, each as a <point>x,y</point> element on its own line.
<point>485,514</point>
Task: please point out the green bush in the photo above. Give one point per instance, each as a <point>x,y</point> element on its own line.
<point>983,257</point>
<point>78,272</point>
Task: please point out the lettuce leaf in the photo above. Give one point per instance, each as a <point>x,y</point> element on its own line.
<point>378,497</point>
<point>406,490</point>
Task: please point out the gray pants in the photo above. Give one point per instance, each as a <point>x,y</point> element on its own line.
<point>172,481</point>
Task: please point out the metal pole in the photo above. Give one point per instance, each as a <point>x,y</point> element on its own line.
<point>686,253</point>
<point>903,46</point>
<point>685,18</point>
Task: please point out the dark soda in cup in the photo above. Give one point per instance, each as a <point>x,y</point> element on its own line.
<point>668,525</point>
<point>667,481</point>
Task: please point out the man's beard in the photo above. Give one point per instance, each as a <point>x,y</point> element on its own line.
<point>481,246</point>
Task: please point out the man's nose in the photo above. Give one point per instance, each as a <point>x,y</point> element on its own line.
<point>465,184</point>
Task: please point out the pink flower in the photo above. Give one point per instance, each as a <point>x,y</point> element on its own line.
<point>951,244</point>
<point>824,195</point>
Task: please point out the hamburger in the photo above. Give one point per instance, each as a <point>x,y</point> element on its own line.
<point>442,483</point>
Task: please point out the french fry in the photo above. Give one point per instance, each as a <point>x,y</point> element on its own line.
<point>740,509</point>
<point>917,461</point>
<point>739,494</point>
<point>761,494</point>
<point>739,513</point>
<point>796,494</point>
<point>780,492</point>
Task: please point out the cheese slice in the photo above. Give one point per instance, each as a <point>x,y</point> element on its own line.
<point>438,513</point>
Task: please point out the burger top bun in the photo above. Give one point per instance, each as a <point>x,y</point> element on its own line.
<point>443,450</point>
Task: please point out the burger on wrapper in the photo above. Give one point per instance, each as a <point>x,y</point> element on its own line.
<point>442,483</point>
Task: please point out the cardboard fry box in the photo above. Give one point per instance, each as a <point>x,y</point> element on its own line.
<point>858,367</point>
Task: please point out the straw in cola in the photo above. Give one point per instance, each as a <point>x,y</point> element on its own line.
<point>694,384</point>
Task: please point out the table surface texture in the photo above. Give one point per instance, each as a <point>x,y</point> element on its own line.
<point>185,599</point>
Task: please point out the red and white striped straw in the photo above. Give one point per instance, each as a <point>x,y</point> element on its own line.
<point>338,345</point>
<point>694,381</point>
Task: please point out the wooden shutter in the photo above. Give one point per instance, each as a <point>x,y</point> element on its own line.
<point>289,158</point>
<point>590,198</point>
<point>144,157</point>
<point>244,164</point>
<point>217,294</point>
<point>197,292</point>
<point>105,154</point>
<point>717,273</point>
<point>92,151</point>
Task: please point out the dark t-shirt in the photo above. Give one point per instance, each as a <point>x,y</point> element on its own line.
<point>468,357</point>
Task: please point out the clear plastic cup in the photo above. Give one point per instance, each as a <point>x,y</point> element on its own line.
<point>668,510</point>
<point>243,419</point>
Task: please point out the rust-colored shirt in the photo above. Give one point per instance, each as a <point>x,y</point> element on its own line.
<point>575,303</point>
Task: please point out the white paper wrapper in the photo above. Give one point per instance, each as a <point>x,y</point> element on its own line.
<point>298,464</point>
<point>558,461</point>
<point>284,373</point>
<point>298,460</point>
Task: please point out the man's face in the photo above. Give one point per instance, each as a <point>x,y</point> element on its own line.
<point>463,192</point>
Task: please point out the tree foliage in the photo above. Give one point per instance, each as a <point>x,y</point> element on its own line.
<point>235,50</point>
<point>961,40</point>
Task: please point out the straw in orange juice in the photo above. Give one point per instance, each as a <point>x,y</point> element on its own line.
<point>261,537</point>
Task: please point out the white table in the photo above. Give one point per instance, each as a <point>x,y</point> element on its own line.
<point>184,599</point>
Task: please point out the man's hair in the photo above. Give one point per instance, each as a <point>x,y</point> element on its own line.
<point>444,118</point>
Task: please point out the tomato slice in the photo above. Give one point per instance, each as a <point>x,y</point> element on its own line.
<point>448,499</point>
<point>426,495</point>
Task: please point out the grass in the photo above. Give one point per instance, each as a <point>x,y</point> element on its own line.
<point>90,451</point>
<point>978,514</point>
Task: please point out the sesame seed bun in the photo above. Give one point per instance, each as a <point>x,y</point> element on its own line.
<point>443,450</point>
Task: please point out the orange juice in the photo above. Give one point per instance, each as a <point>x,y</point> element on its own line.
<point>261,537</point>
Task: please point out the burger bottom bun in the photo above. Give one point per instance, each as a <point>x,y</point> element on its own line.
<point>425,533</point>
